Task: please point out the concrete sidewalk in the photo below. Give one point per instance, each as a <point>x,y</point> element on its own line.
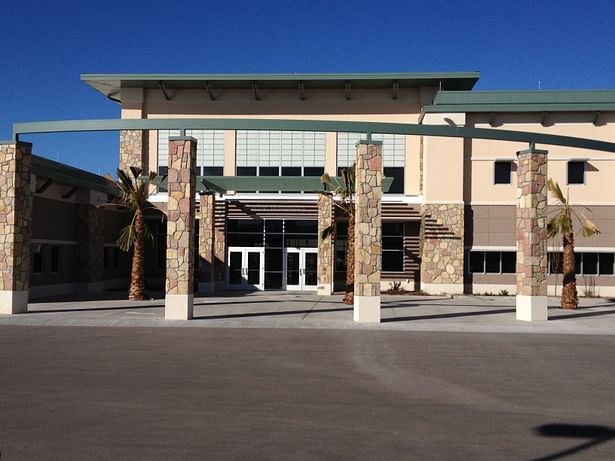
<point>300,310</point>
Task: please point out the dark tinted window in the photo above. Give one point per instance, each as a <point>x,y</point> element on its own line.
<point>313,171</point>
<point>477,261</point>
<point>291,171</point>
<point>246,171</point>
<point>213,171</point>
<point>392,261</point>
<point>55,258</point>
<point>492,262</point>
<point>397,173</point>
<point>37,259</point>
<point>502,172</point>
<point>590,263</point>
<point>509,262</point>
<point>606,263</point>
<point>576,172</point>
<point>269,171</point>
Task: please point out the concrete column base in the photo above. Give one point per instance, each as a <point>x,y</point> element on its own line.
<point>325,289</point>
<point>178,307</point>
<point>532,308</point>
<point>206,287</point>
<point>367,309</point>
<point>13,302</point>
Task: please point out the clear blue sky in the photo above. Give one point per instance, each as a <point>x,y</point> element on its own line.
<point>46,45</point>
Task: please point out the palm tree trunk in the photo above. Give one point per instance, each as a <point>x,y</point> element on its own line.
<point>137,277</point>
<point>569,298</point>
<point>349,297</point>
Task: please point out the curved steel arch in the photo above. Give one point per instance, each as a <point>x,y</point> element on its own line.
<point>307,125</point>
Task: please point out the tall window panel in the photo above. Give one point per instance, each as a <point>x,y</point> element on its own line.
<point>285,153</point>
<point>393,155</point>
<point>209,150</point>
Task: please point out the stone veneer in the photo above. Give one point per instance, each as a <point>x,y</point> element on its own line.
<point>442,254</point>
<point>15,226</point>
<point>133,150</point>
<point>91,250</point>
<point>220,248</point>
<point>368,231</point>
<point>325,245</point>
<point>180,228</point>
<point>532,235</point>
<point>206,243</point>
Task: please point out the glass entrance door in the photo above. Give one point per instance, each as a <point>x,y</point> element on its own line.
<point>301,264</point>
<point>246,269</point>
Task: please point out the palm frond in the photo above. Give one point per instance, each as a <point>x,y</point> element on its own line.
<point>556,191</point>
<point>327,231</point>
<point>127,237</point>
<point>588,228</point>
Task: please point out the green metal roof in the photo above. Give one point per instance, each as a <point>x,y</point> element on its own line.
<point>110,84</point>
<point>523,101</point>
<point>71,176</point>
<point>223,184</point>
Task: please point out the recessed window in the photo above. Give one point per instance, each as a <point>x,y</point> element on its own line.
<point>37,259</point>
<point>502,172</point>
<point>576,172</point>
<point>493,262</point>
<point>584,263</point>
<point>397,173</point>
<point>55,258</point>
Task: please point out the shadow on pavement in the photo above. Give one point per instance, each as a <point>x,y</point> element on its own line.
<point>596,434</point>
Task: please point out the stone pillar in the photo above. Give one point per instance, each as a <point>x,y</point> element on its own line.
<point>325,245</point>
<point>133,150</point>
<point>206,244</point>
<point>91,250</point>
<point>368,231</point>
<point>442,255</point>
<point>15,226</point>
<point>532,235</point>
<point>180,228</point>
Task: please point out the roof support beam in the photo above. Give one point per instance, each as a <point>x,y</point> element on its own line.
<point>596,117</point>
<point>348,89</point>
<point>70,192</point>
<point>164,90</point>
<point>210,91</point>
<point>43,187</point>
<point>543,120</point>
<point>257,96</point>
<point>302,91</point>
<point>395,89</point>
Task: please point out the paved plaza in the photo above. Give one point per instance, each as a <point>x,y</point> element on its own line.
<point>289,376</point>
<point>300,310</point>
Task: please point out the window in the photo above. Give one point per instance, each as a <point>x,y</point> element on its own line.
<point>392,247</point>
<point>576,172</point>
<point>590,263</point>
<point>55,258</point>
<point>393,155</point>
<point>492,262</point>
<point>37,259</point>
<point>502,172</point>
<point>209,147</point>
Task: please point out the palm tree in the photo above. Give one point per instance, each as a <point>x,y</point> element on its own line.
<point>562,223</point>
<point>133,196</point>
<point>341,193</point>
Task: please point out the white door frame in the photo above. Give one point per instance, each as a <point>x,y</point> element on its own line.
<point>302,286</point>
<point>244,268</point>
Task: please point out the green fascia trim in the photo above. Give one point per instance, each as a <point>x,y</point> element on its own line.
<point>309,125</point>
<point>71,176</point>
<point>111,84</point>
<point>182,138</point>
<point>523,101</point>
<point>222,184</point>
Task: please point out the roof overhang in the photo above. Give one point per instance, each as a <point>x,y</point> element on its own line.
<point>110,85</point>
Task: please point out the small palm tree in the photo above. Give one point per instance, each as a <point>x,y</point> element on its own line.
<point>341,193</point>
<point>562,224</point>
<point>133,196</point>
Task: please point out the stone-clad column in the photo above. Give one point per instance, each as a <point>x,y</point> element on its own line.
<point>206,244</point>
<point>368,231</point>
<point>91,251</point>
<point>532,235</point>
<point>133,150</point>
<point>15,226</point>
<point>442,255</point>
<point>325,245</point>
<point>180,228</point>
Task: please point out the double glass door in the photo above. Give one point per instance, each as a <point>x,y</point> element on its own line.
<point>301,266</point>
<point>246,268</point>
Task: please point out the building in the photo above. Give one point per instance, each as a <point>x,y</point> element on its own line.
<point>448,218</point>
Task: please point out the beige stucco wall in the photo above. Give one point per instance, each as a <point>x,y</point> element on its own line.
<point>365,105</point>
<point>480,155</point>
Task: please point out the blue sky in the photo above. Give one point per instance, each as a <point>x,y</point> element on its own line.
<point>45,46</point>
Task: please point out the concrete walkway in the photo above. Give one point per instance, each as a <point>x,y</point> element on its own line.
<point>300,310</point>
